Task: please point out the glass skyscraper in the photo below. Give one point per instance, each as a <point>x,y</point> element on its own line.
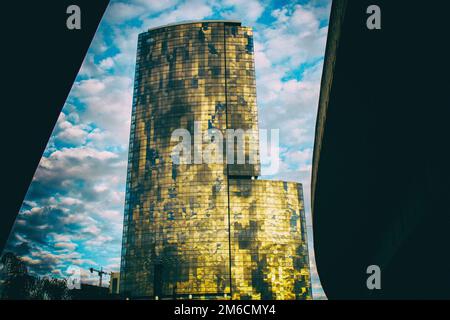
<point>205,230</point>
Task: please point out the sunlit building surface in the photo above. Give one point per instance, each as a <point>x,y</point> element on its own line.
<point>206,231</point>
<point>114,283</point>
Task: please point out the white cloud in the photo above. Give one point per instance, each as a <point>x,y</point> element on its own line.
<point>297,30</point>
<point>69,201</point>
<point>119,12</point>
<point>250,10</point>
<point>108,102</point>
<point>155,6</point>
<point>60,237</point>
<point>107,63</point>
<point>98,241</point>
<point>72,135</point>
<point>187,10</point>
<point>262,62</point>
<point>290,106</point>
<point>66,245</point>
<point>79,162</point>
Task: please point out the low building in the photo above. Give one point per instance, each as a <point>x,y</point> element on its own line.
<point>114,283</point>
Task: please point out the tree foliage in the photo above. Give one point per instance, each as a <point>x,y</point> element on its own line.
<point>17,284</point>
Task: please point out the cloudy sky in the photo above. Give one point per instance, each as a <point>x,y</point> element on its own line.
<point>72,214</point>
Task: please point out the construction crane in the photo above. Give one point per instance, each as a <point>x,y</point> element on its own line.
<point>100,274</point>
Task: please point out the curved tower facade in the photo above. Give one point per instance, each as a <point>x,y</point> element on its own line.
<point>205,230</point>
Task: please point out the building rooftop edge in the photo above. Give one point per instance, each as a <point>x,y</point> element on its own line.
<point>192,22</point>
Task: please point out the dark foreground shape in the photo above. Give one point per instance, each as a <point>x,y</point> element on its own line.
<point>41,58</point>
<point>381,162</point>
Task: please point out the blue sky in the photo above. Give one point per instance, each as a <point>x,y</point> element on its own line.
<point>72,213</point>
